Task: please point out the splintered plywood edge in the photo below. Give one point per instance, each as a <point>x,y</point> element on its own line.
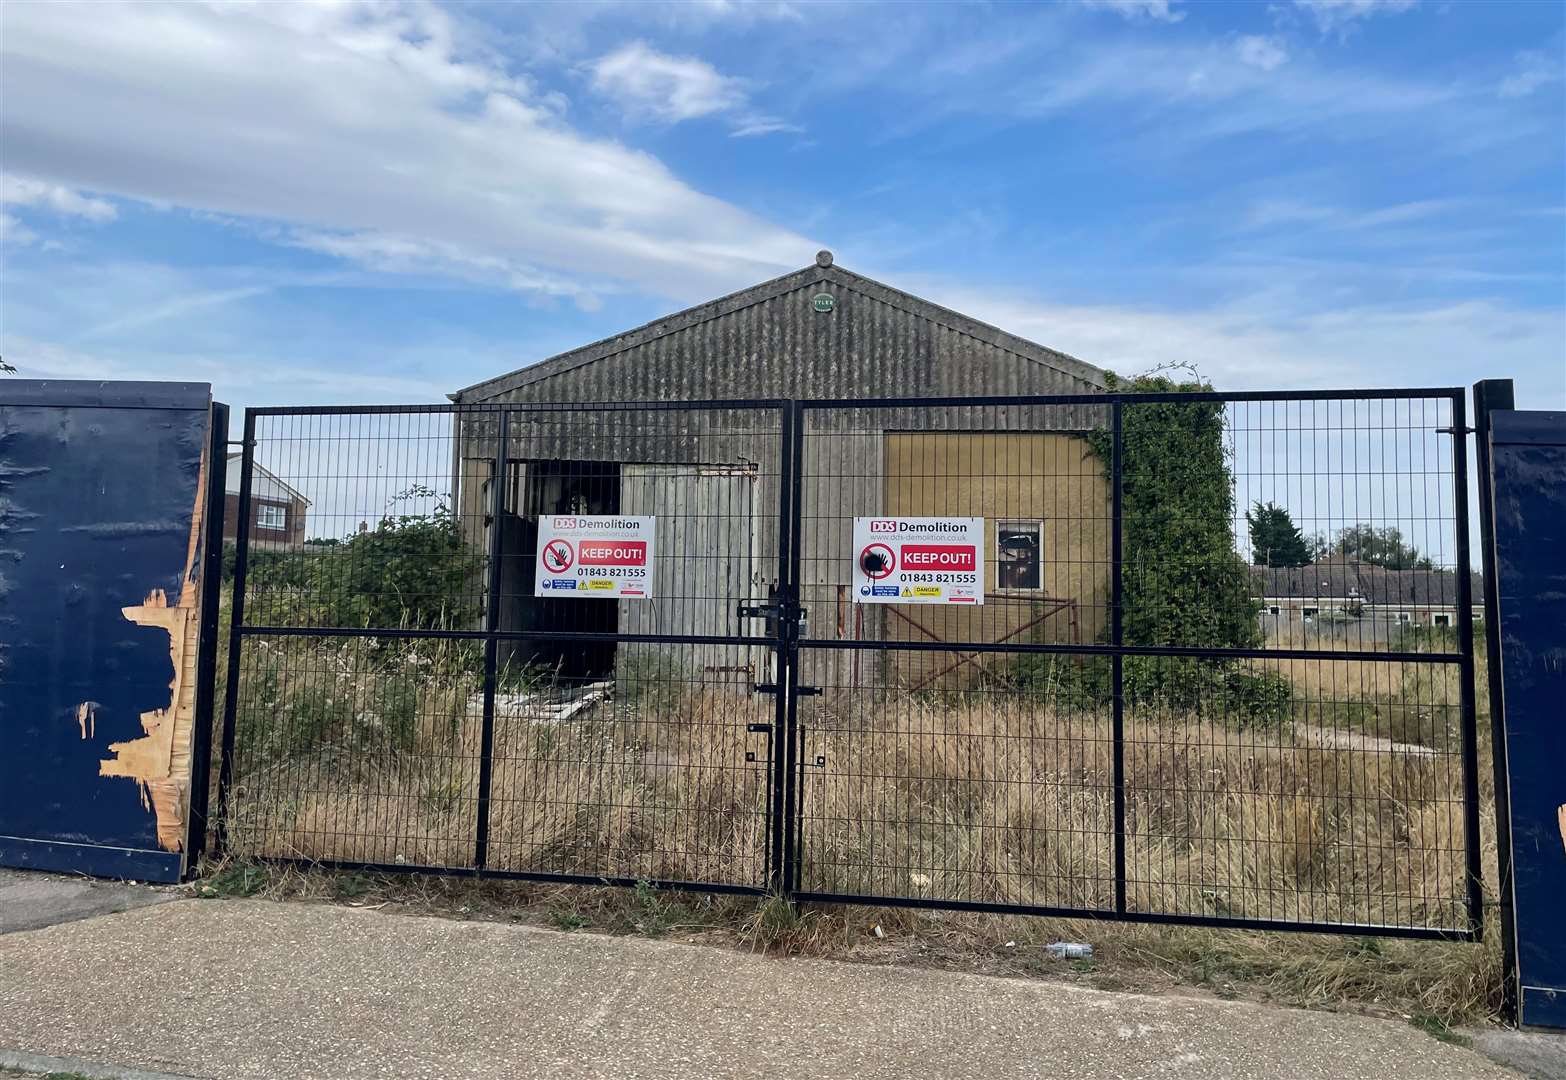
<point>160,761</point>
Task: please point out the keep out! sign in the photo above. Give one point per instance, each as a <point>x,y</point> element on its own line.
<point>919,560</point>
<point>606,557</point>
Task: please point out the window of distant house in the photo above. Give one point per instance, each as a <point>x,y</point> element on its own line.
<point>1404,616</point>
<point>269,516</point>
<point>1440,620</point>
<point>1273,610</point>
<point>1308,614</point>
<point>1019,562</point>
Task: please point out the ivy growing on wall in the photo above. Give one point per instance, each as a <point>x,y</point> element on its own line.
<point>1183,581</point>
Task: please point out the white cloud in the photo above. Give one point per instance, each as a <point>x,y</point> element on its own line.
<point>1534,70</point>
<point>763,125</point>
<point>1159,10</point>
<point>650,84</point>
<point>1340,15</point>
<point>364,121</point>
<point>386,253</point>
<point>1261,52</point>
<point>254,380</point>
<point>1259,345</point>
<point>21,191</point>
<point>175,307</point>
<point>13,233</point>
<point>1273,213</point>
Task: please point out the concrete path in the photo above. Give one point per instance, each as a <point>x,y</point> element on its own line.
<point>29,899</point>
<point>262,990</point>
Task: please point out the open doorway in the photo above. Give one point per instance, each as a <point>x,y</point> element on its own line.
<point>536,489</point>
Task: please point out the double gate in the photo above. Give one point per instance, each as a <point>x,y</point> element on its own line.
<point>1222,673</point>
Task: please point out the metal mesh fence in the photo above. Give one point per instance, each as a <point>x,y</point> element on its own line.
<point>1193,658</point>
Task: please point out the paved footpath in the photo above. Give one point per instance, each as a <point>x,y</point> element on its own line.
<point>261,990</point>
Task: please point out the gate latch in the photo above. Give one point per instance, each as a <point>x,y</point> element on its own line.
<point>772,688</point>
<point>756,729</point>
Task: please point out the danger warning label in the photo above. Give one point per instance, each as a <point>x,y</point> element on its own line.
<point>918,560</point>
<point>607,558</point>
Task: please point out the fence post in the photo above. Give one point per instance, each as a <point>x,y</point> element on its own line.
<point>236,624</point>
<point>1465,648</point>
<point>206,663</point>
<point>497,493</point>
<point>1117,638</point>
<point>788,629</point>
<point>1491,395</point>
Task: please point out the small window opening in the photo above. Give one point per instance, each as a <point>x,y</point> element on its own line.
<point>271,516</point>
<point>1019,562</point>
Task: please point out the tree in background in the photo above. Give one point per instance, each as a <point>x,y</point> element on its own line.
<point>1383,546</point>
<point>1275,539</point>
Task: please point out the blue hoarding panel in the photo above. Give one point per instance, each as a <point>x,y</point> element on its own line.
<point>1529,454</point>
<point>99,485</point>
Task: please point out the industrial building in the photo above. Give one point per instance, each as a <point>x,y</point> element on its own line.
<point>714,475</point>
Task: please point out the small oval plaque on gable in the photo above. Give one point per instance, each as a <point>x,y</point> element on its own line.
<point>823,302</point>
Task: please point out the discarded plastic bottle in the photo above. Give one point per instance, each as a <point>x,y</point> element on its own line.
<point>1071,950</point>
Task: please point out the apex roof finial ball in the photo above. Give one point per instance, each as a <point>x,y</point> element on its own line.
<point>823,258</point>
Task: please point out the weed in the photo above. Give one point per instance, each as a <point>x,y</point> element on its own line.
<point>397,706</point>
<point>568,920</point>
<point>442,797</point>
<point>775,921</point>
<point>235,879</point>
<point>353,886</point>
<point>1438,1029</point>
<point>657,915</point>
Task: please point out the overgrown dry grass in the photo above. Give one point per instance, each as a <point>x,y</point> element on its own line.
<point>970,795</point>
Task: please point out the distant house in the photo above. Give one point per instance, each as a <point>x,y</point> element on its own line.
<point>1341,589</point>
<point>277,511</point>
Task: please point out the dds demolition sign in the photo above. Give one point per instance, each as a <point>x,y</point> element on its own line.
<point>607,557</point>
<point>919,560</point>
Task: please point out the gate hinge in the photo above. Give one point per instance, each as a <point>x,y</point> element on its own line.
<point>1454,431</point>
<point>807,691</point>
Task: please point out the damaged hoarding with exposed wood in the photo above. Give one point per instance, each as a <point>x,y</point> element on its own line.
<point>104,507</point>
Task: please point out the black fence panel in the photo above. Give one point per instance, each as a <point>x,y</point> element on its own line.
<point>1220,668</point>
<point>1189,658</point>
<point>510,641</point>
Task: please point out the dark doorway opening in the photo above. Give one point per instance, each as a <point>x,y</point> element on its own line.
<point>536,489</point>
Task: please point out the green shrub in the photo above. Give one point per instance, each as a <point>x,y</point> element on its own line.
<point>314,714</point>
<point>411,571</point>
<point>1182,581</point>
<point>397,710</point>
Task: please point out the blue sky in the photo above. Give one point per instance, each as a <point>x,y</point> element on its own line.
<point>385,203</point>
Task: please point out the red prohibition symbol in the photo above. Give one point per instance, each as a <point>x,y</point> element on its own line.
<point>877,561</point>
<point>557,556</point>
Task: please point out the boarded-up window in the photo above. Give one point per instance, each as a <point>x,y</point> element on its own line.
<point>1019,562</point>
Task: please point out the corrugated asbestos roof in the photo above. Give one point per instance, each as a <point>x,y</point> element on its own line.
<point>756,294</point>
